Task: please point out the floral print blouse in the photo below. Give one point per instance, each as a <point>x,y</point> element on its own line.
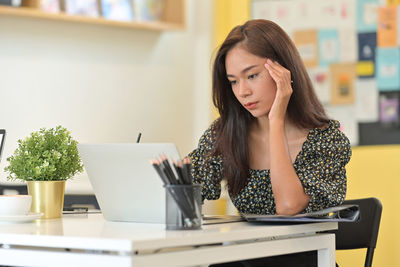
<point>320,166</point>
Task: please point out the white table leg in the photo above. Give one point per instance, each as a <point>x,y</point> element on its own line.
<point>327,256</point>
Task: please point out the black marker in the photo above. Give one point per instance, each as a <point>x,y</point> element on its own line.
<point>138,138</point>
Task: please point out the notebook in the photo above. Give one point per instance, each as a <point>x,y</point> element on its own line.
<point>216,219</point>
<point>342,213</point>
<point>126,185</point>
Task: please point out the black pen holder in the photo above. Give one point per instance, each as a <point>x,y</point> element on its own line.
<point>183,211</point>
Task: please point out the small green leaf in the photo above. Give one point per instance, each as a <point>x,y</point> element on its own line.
<point>45,155</point>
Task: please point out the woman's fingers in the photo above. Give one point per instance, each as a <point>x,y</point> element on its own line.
<point>279,74</point>
<point>274,74</point>
<point>275,66</point>
<point>282,79</point>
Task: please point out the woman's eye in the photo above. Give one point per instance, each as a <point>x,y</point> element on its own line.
<point>232,82</point>
<point>252,76</point>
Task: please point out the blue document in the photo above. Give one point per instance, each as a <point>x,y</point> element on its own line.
<point>366,46</point>
<point>388,69</point>
<point>366,11</point>
<point>366,54</point>
<point>328,46</point>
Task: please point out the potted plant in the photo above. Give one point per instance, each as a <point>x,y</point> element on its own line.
<point>45,160</point>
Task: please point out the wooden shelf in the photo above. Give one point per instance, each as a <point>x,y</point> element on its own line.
<point>173,17</point>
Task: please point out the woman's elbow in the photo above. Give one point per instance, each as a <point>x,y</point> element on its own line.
<point>291,208</point>
<point>287,210</point>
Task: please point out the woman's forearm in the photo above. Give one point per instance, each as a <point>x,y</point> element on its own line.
<point>288,191</point>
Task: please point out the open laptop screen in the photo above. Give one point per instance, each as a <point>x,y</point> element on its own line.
<point>2,137</point>
<point>126,185</point>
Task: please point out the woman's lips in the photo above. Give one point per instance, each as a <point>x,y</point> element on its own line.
<point>251,105</point>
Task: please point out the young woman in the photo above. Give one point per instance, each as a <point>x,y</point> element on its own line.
<point>273,142</point>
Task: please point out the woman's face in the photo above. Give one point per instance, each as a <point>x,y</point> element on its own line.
<point>251,83</point>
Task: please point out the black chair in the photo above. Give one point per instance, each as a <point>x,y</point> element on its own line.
<point>363,233</point>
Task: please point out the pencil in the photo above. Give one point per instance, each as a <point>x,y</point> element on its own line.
<point>182,202</point>
<point>168,169</point>
<point>138,138</point>
<point>160,172</point>
<point>179,173</point>
<point>187,172</point>
<point>182,196</point>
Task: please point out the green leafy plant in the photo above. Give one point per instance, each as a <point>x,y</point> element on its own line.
<point>46,155</point>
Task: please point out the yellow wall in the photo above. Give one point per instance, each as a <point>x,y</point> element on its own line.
<point>229,13</point>
<point>373,171</point>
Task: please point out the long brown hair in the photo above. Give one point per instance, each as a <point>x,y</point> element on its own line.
<point>265,39</point>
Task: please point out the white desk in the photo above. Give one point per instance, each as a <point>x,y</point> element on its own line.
<point>89,240</point>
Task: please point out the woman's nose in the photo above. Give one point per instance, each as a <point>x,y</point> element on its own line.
<point>244,89</point>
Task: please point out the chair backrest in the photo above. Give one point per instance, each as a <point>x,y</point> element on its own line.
<point>363,233</point>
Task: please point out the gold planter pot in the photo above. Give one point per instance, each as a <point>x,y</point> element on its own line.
<point>47,198</point>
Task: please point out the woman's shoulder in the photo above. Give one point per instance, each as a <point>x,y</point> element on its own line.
<point>209,134</point>
<point>328,141</point>
<point>330,133</point>
<point>211,130</point>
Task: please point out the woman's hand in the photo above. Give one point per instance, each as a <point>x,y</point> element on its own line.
<point>284,90</point>
<point>288,191</point>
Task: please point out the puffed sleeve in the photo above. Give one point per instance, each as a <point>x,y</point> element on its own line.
<point>207,169</point>
<point>321,168</point>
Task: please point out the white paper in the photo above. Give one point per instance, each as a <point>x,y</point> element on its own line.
<point>328,49</point>
<point>307,51</point>
<point>370,13</point>
<point>305,14</point>
<point>348,45</point>
<point>321,81</point>
<point>388,70</point>
<point>288,14</point>
<point>367,101</point>
<point>333,14</point>
<point>283,12</point>
<point>348,123</point>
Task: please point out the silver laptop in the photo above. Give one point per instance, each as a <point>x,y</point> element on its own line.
<point>125,183</point>
<point>2,137</point>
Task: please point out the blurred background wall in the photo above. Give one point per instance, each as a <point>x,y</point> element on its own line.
<point>108,84</point>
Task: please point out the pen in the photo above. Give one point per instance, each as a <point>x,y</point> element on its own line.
<point>138,138</point>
